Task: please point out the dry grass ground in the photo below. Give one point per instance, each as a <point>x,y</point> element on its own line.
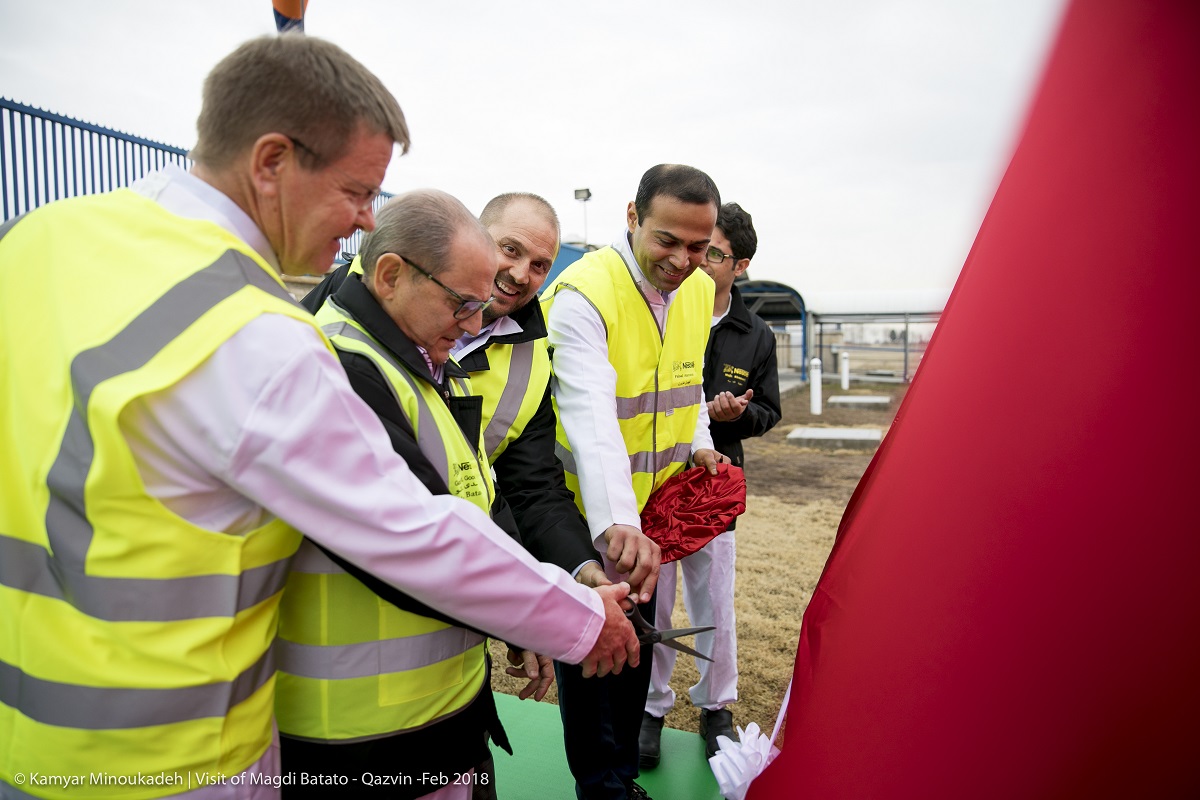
<point>796,497</point>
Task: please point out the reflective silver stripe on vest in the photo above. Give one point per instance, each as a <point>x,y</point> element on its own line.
<point>520,367</point>
<point>566,457</point>
<point>651,463</point>
<point>8,225</point>
<point>644,461</point>
<point>669,400</point>
<point>110,708</point>
<point>312,561</point>
<point>429,438</point>
<point>32,568</point>
<point>367,659</point>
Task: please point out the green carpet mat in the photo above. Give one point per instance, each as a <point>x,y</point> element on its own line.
<point>538,770</point>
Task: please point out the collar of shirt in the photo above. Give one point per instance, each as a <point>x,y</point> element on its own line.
<point>503,326</point>
<point>716,320</point>
<point>186,195</point>
<point>438,372</point>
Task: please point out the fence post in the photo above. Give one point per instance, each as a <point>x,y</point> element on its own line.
<point>814,386</point>
<point>844,363</point>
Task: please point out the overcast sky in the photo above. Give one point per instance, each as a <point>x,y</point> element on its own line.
<point>866,137</point>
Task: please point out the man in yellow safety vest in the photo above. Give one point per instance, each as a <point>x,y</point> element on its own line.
<point>170,433</point>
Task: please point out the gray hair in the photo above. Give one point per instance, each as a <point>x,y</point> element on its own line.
<point>421,225</point>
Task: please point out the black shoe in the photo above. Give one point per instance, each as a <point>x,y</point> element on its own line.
<point>714,724</point>
<point>649,744</point>
<point>635,792</point>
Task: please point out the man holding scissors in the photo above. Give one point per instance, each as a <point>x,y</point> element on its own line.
<point>627,327</point>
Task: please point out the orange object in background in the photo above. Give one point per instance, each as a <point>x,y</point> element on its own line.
<point>289,14</point>
<point>1010,608</point>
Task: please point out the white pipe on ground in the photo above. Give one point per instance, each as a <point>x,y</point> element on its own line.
<point>814,384</point>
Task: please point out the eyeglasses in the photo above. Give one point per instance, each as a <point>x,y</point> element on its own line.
<point>715,256</point>
<point>466,308</point>
<point>364,196</point>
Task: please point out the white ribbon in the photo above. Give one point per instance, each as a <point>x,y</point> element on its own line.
<point>737,764</point>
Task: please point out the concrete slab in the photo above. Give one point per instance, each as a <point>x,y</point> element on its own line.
<point>837,438</point>
<point>860,400</point>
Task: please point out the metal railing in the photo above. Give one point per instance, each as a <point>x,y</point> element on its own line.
<point>45,157</point>
<point>894,359</point>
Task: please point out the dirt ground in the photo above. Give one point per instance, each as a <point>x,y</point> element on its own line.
<point>796,497</point>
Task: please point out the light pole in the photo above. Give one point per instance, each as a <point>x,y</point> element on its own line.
<point>583,195</point>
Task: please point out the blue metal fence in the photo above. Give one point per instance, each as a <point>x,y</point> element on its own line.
<point>45,156</point>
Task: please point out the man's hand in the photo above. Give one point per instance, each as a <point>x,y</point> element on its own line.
<point>592,575</point>
<point>709,459</point>
<point>536,667</point>
<point>637,555</point>
<point>617,644</point>
<point>726,408</point>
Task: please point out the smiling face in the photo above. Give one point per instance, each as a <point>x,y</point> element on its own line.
<point>526,243</point>
<point>671,241</point>
<point>423,310</point>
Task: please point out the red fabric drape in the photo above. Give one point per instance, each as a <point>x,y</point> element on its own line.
<point>693,508</point>
<point>1011,606</point>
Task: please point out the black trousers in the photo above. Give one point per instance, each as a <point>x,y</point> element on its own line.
<point>441,751</point>
<point>602,718</point>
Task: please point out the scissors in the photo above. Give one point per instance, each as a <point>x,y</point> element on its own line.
<point>647,634</point>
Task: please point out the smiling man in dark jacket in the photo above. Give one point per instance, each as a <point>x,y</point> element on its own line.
<point>509,367</point>
<point>741,385</point>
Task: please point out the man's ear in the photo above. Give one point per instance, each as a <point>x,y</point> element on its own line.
<point>740,266</point>
<point>631,216</point>
<point>272,155</point>
<point>386,275</point>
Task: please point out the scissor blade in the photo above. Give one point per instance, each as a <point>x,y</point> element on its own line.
<point>675,633</point>
<point>683,648</point>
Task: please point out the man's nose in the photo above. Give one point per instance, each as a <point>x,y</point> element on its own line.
<point>519,273</point>
<point>366,218</point>
<point>679,257</point>
<point>471,324</point>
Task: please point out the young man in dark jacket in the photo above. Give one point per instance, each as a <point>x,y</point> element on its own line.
<point>741,385</point>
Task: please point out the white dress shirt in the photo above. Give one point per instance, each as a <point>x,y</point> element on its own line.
<point>585,386</point>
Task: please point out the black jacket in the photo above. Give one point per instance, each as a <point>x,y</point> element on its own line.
<point>456,743</point>
<point>369,384</point>
<point>741,356</point>
<point>529,477</point>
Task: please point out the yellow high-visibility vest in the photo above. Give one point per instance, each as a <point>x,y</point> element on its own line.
<point>512,386</point>
<point>660,376</point>
<point>353,666</point>
<point>131,641</point>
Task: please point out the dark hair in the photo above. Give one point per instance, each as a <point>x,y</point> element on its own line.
<point>296,85</point>
<point>496,207</point>
<point>738,227</point>
<point>684,183</point>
